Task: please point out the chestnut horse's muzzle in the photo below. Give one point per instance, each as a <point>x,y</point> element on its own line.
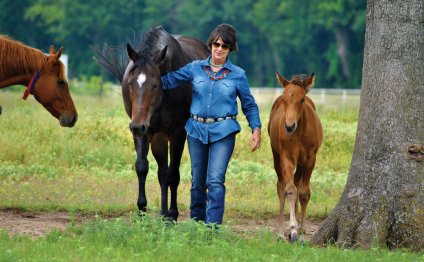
<point>68,121</point>
<point>290,128</point>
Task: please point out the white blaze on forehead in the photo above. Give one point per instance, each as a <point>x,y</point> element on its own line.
<point>141,79</point>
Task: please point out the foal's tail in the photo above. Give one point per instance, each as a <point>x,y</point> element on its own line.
<point>113,59</point>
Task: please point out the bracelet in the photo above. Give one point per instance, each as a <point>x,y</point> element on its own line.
<point>259,129</point>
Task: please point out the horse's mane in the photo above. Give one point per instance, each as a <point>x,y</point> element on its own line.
<point>148,43</point>
<point>156,38</point>
<point>300,80</point>
<point>25,59</point>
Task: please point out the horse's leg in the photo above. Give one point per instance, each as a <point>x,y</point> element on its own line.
<point>290,190</point>
<point>297,183</point>
<point>176,151</point>
<point>160,152</point>
<point>280,192</point>
<point>142,168</point>
<point>304,189</point>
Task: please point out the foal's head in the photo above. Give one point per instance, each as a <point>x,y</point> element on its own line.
<point>294,94</point>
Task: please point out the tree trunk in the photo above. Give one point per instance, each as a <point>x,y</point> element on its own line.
<point>383,201</point>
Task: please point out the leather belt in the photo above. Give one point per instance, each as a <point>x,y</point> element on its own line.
<point>211,120</point>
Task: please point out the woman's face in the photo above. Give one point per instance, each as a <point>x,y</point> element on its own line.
<point>220,51</point>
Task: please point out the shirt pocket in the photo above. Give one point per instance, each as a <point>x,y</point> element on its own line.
<point>198,84</point>
<point>228,88</point>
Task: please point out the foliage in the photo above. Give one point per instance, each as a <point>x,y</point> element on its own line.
<point>293,36</point>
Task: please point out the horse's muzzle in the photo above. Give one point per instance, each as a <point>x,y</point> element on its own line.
<point>68,121</point>
<point>138,130</point>
<point>291,128</point>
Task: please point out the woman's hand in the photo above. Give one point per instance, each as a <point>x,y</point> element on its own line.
<point>255,139</point>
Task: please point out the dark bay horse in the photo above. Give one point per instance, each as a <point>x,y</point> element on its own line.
<point>44,76</point>
<point>157,117</point>
<point>296,134</point>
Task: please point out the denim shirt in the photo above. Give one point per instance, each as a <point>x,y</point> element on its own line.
<point>215,98</point>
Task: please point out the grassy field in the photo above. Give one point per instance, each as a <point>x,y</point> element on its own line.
<point>89,169</point>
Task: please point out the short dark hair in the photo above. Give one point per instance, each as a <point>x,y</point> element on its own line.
<point>228,35</point>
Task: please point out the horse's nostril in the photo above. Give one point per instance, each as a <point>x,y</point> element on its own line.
<point>74,120</point>
<point>138,130</point>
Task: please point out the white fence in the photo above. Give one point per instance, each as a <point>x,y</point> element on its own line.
<point>320,94</point>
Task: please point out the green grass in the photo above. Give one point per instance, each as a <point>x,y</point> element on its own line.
<point>147,239</point>
<point>89,168</point>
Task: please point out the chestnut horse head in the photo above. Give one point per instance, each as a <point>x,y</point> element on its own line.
<point>294,95</point>
<point>44,76</point>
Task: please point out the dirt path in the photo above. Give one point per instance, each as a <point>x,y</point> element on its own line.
<point>38,224</point>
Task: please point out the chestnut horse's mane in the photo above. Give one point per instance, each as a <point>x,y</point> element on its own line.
<point>25,59</point>
<point>300,80</point>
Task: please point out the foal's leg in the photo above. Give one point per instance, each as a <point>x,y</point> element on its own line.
<point>160,152</point>
<point>290,190</point>
<point>177,142</point>
<point>142,168</point>
<point>280,192</point>
<point>304,189</point>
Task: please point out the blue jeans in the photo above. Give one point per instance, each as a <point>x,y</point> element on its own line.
<point>209,164</point>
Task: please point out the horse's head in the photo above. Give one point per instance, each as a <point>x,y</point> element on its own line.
<point>294,94</point>
<point>142,85</point>
<point>52,91</point>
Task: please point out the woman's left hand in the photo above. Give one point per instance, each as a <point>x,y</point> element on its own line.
<point>255,140</point>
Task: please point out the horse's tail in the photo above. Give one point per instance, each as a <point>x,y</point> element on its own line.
<point>113,59</point>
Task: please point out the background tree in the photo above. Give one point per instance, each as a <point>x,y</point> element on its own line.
<point>383,202</point>
<point>292,36</point>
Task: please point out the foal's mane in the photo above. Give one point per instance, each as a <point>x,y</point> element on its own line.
<point>300,80</point>
<point>25,59</point>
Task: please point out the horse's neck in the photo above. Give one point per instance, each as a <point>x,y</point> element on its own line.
<point>13,73</point>
<point>22,79</point>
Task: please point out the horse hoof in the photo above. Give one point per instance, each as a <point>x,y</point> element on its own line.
<point>173,215</point>
<point>293,237</point>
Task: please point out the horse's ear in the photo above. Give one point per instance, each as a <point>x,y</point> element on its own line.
<point>132,54</point>
<point>281,79</point>
<point>310,82</point>
<point>52,50</point>
<point>161,56</point>
<point>59,53</point>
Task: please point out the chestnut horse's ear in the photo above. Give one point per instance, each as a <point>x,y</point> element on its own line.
<point>310,82</point>
<point>52,50</point>
<point>281,79</point>
<point>54,56</point>
<point>132,54</point>
<point>59,53</point>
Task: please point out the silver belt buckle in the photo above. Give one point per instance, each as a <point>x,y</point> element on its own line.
<point>209,120</point>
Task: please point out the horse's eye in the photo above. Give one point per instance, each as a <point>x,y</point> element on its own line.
<point>303,100</point>
<point>60,82</point>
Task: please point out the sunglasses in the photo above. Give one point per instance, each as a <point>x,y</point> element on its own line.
<point>224,46</point>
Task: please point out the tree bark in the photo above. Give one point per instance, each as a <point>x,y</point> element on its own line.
<point>383,201</point>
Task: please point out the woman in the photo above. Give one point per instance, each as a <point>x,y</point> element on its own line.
<point>212,126</point>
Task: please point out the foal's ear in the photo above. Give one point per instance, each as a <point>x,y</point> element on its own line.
<point>161,56</point>
<point>281,79</point>
<point>310,82</point>
<point>132,54</point>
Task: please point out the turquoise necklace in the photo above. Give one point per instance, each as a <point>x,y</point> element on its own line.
<point>215,65</point>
